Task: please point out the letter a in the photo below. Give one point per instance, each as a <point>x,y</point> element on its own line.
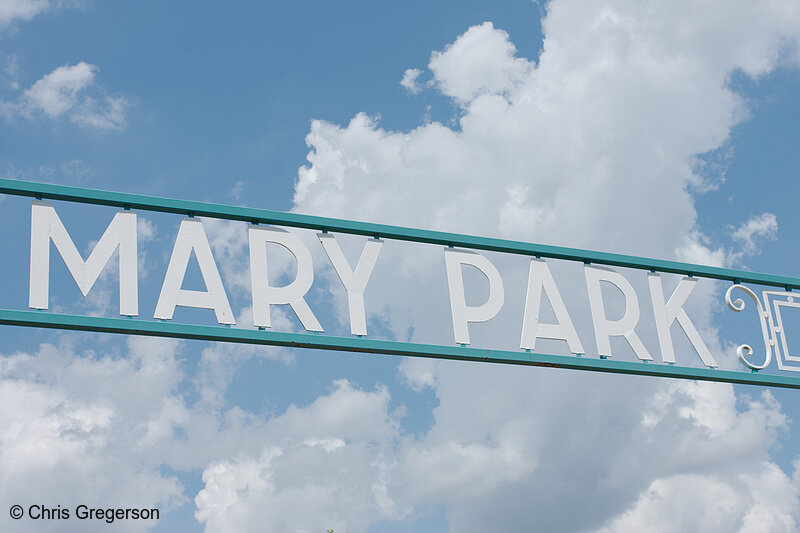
<point>604,329</point>
<point>541,280</point>
<point>191,236</point>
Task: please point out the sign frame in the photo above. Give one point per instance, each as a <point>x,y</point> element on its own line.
<point>38,318</point>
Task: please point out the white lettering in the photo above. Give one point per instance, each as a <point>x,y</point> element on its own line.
<point>673,310</point>
<point>604,329</point>
<point>462,313</point>
<point>293,294</point>
<point>121,232</point>
<point>354,281</point>
<point>540,279</point>
<point>192,237</point>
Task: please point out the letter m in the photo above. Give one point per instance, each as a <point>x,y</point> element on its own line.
<point>121,232</point>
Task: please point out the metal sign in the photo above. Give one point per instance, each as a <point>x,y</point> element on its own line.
<point>459,251</point>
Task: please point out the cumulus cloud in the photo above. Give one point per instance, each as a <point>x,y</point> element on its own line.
<point>327,467</point>
<point>594,145</point>
<point>11,10</point>
<point>14,10</point>
<point>409,80</point>
<point>581,451</point>
<point>739,501</point>
<point>55,93</point>
<point>9,72</point>
<point>145,229</point>
<point>63,92</point>
<point>67,417</point>
<point>70,91</point>
<point>481,61</point>
<point>763,226</point>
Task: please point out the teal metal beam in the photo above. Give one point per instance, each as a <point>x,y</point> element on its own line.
<point>264,216</point>
<point>356,344</point>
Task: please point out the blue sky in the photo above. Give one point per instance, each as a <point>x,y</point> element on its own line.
<point>654,130</point>
<point>260,73</point>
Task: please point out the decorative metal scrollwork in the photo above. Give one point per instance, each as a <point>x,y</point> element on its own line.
<point>745,350</point>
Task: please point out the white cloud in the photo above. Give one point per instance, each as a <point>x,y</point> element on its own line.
<point>219,363</point>
<point>10,72</point>
<point>593,146</point>
<point>108,115</point>
<point>65,93</point>
<point>57,92</point>
<point>67,418</point>
<point>481,61</point>
<point>761,501</point>
<point>327,467</point>
<point>341,461</point>
<point>145,229</point>
<point>695,249</point>
<point>589,450</point>
<point>11,10</point>
<point>763,226</point>
<point>230,244</point>
<point>409,80</point>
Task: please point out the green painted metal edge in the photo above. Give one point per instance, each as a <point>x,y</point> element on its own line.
<point>356,344</point>
<point>264,216</point>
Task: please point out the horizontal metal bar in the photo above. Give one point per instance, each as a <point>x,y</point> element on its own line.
<point>354,344</point>
<point>265,216</point>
